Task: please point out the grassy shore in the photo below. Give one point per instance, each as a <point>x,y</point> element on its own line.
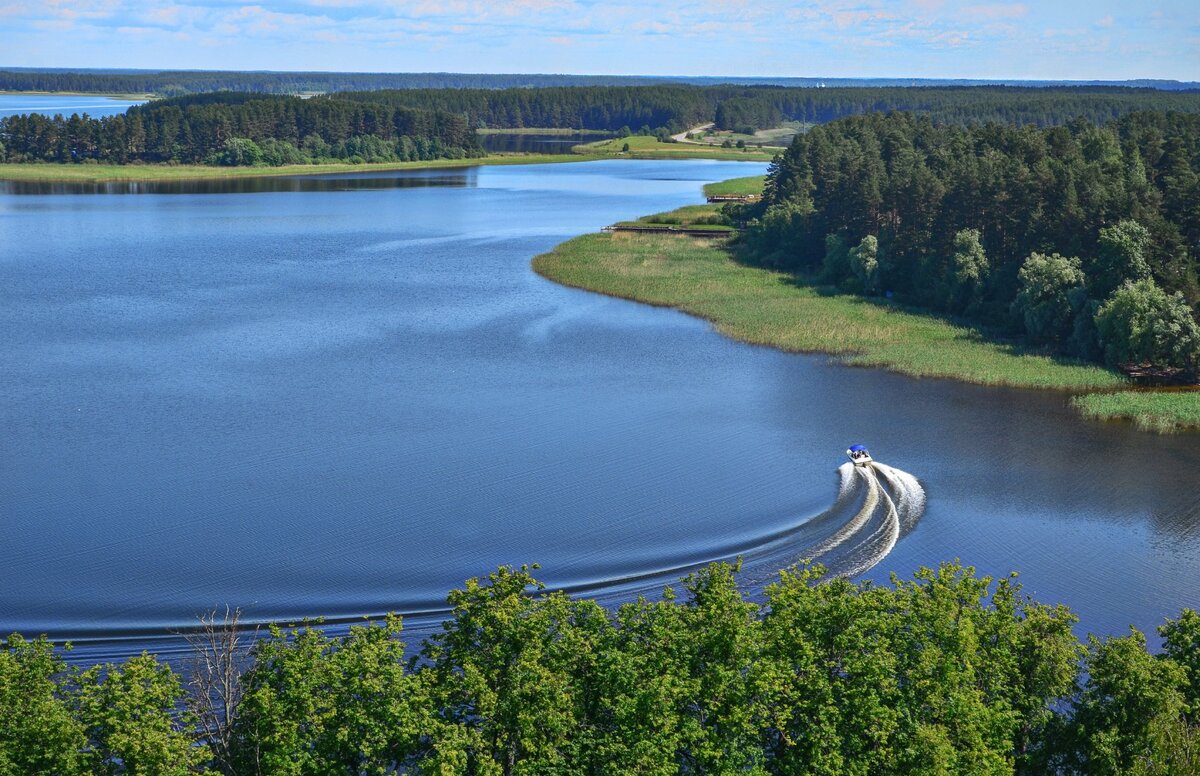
<point>764,307</point>
<point>1161,411</point>
<point>736,187</point>
<point>100,173</point>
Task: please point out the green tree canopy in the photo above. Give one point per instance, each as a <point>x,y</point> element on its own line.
<point>1142,324</point>
<point>1121,257</point>
<point>1043,304</point>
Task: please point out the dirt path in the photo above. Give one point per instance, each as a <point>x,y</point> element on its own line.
<point>682,137</point>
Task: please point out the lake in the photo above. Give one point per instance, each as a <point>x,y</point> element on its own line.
<point>66,104</point>
<point>344,395</point>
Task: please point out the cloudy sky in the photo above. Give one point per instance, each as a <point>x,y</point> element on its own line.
<point>1062,39</point>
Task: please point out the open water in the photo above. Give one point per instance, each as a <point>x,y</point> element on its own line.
<point>65,104</point>
<point>344,395</point>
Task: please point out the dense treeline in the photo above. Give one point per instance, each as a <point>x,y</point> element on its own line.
<point>1082,237</point>
<point>947,674</point>
<point>438,122</point>
<point>174,83</point>
<point>576,107</point>
<point>171,83</point>
<point>678,107</point>
<point>237,129</point>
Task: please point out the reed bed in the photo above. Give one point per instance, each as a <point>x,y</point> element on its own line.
<point>1163,412</point>
<point>736,187</point>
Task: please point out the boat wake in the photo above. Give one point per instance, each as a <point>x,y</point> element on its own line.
<point>876,506</point>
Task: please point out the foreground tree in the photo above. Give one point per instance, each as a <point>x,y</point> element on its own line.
<point>1130,701</point>
<point>313,704</point>
<point>131,714</point>
<point>38,731</point>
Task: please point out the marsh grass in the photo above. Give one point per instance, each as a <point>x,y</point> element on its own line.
<point>766,307</point>
<point>1160,411</point>
<point>704,217</point>
<point>739,187</point>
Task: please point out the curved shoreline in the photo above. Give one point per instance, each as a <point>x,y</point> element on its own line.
<point>764,307</point>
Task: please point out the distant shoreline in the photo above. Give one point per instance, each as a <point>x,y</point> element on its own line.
<point>51,172</point>
<point>641,148</point>
<point>105,95</point>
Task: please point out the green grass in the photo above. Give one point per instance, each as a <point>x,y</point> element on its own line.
<point>737,187</point>
<point>778,137</point>
<point>99,173</point>
<point>642,147</point>
<point>1160,411</point>
<point>771,308</point>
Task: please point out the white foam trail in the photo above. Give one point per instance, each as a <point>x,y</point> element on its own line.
<point>856,522</point>
<point>882,541</point>
<point>846,470</point>
<point>893,503</point>
<point>910,496</point>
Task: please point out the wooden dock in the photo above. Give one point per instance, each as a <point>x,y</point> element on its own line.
<point>734,198</point>
<point>667,229</point>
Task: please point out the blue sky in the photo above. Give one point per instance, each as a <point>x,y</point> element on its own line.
<point>1072,39</point>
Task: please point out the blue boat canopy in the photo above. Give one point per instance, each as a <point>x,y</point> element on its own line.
<point>857,448</point>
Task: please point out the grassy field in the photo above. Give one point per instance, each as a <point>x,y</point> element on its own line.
<point>771,308</point>
<point>1161,411</point>
<point>688,215</point>
<point>100,173</point>
<point>641,147</point>
<point>778,137</point>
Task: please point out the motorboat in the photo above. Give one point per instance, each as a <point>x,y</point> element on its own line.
<point>859,455</point>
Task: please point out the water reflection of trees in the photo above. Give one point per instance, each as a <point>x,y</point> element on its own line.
<point>458,178</point>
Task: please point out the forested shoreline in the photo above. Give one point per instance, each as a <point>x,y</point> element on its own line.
<point>174,83</point>
<point>948,673</point>
<point>1082,239</point>
<point>241,129</point>
<point>676,107</point>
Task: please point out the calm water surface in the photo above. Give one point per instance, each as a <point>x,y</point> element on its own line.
<point>66,104</point>
<point>538,144</point>
<point>344,395</point>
